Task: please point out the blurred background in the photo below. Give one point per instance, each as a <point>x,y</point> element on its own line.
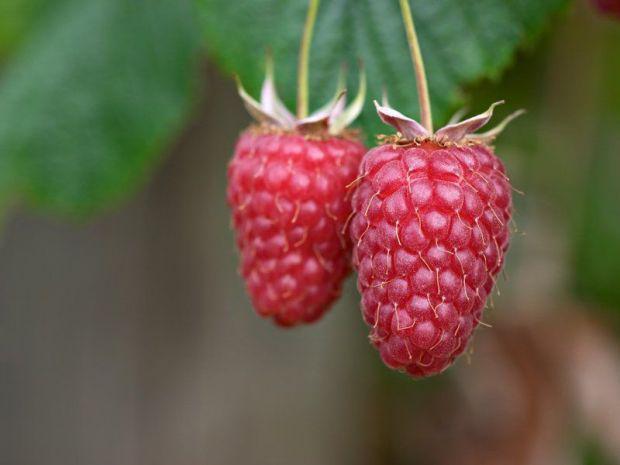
<point>126,337</point>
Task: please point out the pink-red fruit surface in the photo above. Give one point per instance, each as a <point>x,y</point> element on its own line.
<point>429,232</point>
<point>288,195</point>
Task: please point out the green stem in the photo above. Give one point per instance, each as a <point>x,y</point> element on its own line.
<point>304,55</point>
<point>418,67</point>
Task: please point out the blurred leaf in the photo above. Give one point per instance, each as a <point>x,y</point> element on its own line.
<point>597,250</point>
<point>592,454</point>
<point>462,41</point>
<point>16,16</point>
<point>596,244</point>
<point>92,97</point>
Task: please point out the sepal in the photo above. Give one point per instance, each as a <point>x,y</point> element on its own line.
<point>333,117</point>
<point>342,120</point>
<point>320,120</point>
<point>270,100</point>
<point>409,128</point>
<point>457,131</point>
<point>256,109</point>
<point>496,131</point>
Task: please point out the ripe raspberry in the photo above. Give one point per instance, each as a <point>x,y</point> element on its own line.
<point>287,190</point>
<point>430,230</point>
<point>287,193</point>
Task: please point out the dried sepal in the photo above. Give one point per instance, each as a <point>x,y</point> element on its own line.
<point>269,99</point>
<point>409,128</point>
<point>333,117</point>
<point>255,109</point>
<point>496,131</point>
<point>340,88</point>
<point>338,108</point>
<point>457,131</point>
<point>320,120</point>
<point>349,114</point>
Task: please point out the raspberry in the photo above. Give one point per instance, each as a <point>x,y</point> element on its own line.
<point>287,192</point>
<point>430,230</point>
<point>287,187</point>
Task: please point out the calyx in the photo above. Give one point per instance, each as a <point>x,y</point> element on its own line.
<point>333,117</point>
<point>456,131</point>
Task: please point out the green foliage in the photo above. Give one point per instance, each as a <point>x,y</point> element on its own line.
<point>92,97</point>
<point>93,90</point>
<point>16,18</point>
<point>461,40</point>
<point>597,247</point>
<point>593,454</point>
<point>596,240</point>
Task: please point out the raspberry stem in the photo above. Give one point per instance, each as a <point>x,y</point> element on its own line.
<point>304,54</point>
<point>418,67</point>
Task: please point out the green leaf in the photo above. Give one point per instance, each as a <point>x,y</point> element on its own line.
<point>596,237</point>
<point>16,17</point>
<point>597,241</point>
<point>91,99</point>
<point>462,41</point>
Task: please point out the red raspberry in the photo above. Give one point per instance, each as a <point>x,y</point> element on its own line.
<point>429,231</point>
<point>287,187</point>
<point>288,196</point>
